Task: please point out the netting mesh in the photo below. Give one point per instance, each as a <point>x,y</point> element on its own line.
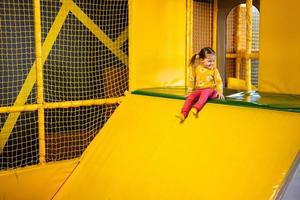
<point>84,50</point>
<point>202,24</point>
<point>69,131</point>
<point>231,43</point>
<point>230,67</point>
<point>16,49</point>
<point>231,31</point>
<point>80,66</point>
<point>21,148</point>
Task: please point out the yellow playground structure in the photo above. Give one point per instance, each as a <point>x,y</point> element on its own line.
<point>89,90</point>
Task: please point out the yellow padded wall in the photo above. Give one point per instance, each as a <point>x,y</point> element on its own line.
<point>157,43</point>
<point>35,182</point>
<point>279,69</point>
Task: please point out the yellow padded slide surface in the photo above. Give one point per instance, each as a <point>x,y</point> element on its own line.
<point>227,153</point>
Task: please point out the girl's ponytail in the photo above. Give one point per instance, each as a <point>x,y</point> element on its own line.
<point>193,59</point>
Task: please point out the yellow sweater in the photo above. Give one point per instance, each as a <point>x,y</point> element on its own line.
<point>202,77</point>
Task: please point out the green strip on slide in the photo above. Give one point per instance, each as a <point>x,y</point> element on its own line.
<point>284,102</point>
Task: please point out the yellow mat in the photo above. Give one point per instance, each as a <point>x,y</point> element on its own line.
<point>36,182</point>
<point>228,152</point>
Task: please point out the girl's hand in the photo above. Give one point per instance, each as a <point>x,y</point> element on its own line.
<point>220,96</point>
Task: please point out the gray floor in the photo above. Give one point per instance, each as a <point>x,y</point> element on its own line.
<point>291,188</point>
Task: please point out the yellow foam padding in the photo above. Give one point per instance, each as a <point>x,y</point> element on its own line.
<point>238,84</point>
<point>157,43</point>
<point>143,152</point>
<point>35,182</point>
<point>279,48</point>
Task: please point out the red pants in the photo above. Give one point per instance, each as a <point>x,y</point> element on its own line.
<point>197,99</point>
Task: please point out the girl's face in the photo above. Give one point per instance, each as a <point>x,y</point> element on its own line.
<point>209,61</point>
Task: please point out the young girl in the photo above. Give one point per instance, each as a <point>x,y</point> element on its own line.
<point>204,82</point>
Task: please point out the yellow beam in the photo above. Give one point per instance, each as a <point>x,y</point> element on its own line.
<point>122,37</point>
<point>31,77</point>
<point>242,54</point>
<point>12,109</point>
<point>54,31</point>
<point>84,19</point>
<point>68,104</point>
<point>64,104</point>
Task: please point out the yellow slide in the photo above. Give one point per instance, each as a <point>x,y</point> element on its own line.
<point>143,152</point>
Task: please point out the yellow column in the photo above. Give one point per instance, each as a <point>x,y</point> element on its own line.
<point>238,43</point>
<point>215,22</point>
<point>39,77</point>
<point>248,43</point>
<point>189,36</point>
<point>131,83</point>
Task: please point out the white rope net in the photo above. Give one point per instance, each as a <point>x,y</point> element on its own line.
<point>84,58</point>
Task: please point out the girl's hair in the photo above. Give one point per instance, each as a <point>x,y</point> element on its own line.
<point>202,54</point>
